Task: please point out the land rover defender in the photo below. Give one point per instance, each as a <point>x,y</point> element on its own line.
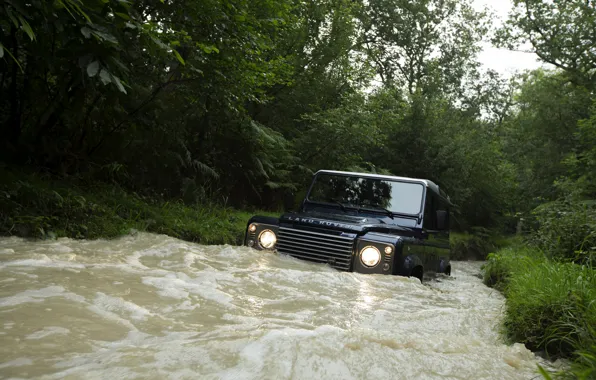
<point>366,223</point>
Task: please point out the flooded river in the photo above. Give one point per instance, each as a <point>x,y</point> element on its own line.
<point>153,307</point>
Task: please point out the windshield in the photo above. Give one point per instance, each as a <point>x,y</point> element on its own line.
<point>395,196</point>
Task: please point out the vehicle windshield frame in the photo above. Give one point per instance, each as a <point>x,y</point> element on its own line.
<point>364,207</point>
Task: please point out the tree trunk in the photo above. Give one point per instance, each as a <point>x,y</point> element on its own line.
<point>13,125</point>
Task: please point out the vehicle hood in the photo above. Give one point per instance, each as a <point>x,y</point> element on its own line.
<point>344,222</point>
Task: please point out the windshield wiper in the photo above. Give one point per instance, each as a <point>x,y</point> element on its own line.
<point>345,205</point>
<point>387,211</point>
<point>341,205</point>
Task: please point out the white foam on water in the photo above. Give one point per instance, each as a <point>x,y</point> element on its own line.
<point>60,247</point>
<point>38,295</point>
<point>48,331</point>
<point>110,316</point>
<point>20,362</point>
<point>179,285</point>
<point>135,262</point>
<point>42,263</point>
<point>119,306</point>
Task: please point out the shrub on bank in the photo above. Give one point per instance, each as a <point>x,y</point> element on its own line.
<point>34,206</point>
<point>567,229</point>
<point>476,245</point>
<point>551,306</point>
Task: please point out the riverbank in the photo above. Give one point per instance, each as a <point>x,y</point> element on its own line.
<point>37,206</point>
<point>551,305</point>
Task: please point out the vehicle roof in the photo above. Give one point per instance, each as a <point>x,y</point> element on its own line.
<point>428,183</point>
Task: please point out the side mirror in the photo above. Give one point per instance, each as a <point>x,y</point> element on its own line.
<point>442,221</point>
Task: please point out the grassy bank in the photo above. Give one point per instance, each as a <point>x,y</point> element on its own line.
<point>551,306</point>
<point>42,207</point>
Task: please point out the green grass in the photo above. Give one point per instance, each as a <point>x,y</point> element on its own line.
<point>551,306</point>
<point>42,207</point>
<point>502,265</point>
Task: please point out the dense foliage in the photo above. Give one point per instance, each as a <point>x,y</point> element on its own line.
<point>241,101</point>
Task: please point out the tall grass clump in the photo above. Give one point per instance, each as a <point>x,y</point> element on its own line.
<point>551,305</point>
<point>502,265</point>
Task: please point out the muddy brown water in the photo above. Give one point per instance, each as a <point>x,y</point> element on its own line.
<point>152,307</point>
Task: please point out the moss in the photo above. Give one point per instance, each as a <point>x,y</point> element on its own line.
<point>41,207</point>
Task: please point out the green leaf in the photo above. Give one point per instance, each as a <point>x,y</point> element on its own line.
<point>122,15</point>
<point>118,83</point>
<point>93,68</point>
<point>159,43</point>
<point>123,68</point>
<point>27,28</point>
<point>86,32</point>
<point>179,57</point>
<point>208,48</point>
<point>12,18</point>
<point>543,372</point>
<point>11,56</point>
<point>104,36</point>
<point>105,76</point>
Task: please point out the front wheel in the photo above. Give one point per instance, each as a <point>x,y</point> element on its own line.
<point>445,266</point>
<point>417,272</point>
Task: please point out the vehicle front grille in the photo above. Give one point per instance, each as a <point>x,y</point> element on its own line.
<point>316,246</point>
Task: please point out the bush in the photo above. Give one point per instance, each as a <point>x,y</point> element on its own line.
<point>567,230</point>
<point>477,245</point>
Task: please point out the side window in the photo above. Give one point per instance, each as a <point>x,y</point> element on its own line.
<point>433,204</point>
<point>442,205</point>
<point>429,211</point>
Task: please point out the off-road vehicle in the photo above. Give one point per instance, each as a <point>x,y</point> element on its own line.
<point>366,223</point>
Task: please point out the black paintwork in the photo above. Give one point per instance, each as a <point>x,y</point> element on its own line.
<point>418,247</point>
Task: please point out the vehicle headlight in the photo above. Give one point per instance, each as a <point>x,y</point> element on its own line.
<point>370,256</point>
<point>267,239</point>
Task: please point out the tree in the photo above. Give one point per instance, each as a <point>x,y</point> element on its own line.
<point>561,33</point>
<point>422,45</point>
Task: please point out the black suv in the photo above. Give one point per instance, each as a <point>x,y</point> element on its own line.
<point>366,223</point>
